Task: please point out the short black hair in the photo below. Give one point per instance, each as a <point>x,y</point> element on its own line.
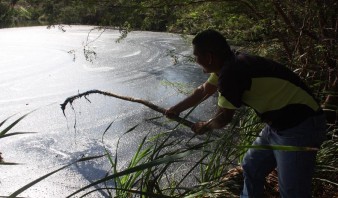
<point>213,41</point>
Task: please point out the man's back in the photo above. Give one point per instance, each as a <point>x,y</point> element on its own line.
<point>277,94</point>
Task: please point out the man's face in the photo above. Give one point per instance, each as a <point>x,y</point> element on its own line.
<point>204,60</point>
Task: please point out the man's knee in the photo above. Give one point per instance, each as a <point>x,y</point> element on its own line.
<point>249,169</point>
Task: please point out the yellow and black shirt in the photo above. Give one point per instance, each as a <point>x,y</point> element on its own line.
<point>277,94</point>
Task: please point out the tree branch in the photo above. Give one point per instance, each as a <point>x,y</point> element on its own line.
<point>152,106</point>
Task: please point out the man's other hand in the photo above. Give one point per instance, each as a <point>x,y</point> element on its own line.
<point>171,113</point>
<point>201,127</point>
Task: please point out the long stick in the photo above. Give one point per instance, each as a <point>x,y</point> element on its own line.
<point>137,100</point>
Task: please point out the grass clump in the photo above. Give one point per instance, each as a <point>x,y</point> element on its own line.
<point>6,131</point>
<point>166,166</point>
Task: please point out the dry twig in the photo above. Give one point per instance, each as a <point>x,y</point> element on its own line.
<point>152,106</point>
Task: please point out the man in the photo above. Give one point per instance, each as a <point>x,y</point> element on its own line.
<point>292,115</point>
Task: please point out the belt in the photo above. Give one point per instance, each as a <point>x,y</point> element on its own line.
<point>290,123</point>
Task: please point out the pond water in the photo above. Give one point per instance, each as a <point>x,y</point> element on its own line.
<point>41,67</point>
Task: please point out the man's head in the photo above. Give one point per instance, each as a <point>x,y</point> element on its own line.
<point>211,50</point>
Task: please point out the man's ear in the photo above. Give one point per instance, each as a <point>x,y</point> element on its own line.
<point>210,58</point>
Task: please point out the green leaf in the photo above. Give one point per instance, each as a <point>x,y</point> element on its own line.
<point>9,163</point>
<point>131,129</point>
<point>3,122</point>
<point>15,133</point>
<point>278,147</point>
<point>3,132</point>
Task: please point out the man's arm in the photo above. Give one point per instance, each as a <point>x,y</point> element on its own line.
<point>200,94</point>
<point>220,120</point>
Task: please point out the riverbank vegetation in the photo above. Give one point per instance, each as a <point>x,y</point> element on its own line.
<point>301,34</point>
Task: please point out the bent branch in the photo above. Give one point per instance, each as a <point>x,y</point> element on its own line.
<point>152,106</point>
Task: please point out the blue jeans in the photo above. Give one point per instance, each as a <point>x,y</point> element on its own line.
<point>295,168</point>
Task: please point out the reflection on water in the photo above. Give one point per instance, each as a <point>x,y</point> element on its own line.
<point>38,72</point>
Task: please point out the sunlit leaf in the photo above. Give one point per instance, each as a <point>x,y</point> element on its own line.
<point>3,132</point>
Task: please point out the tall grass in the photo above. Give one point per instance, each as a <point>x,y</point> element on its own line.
<point>326,175</point>
<point>166,166</point>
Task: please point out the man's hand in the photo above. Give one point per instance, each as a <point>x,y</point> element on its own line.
<point>201,127</point>
<point>222,118</point>
<point>170,113</point>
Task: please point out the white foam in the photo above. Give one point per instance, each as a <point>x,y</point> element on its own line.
<point>97,69</point>
<point>133,54</point>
